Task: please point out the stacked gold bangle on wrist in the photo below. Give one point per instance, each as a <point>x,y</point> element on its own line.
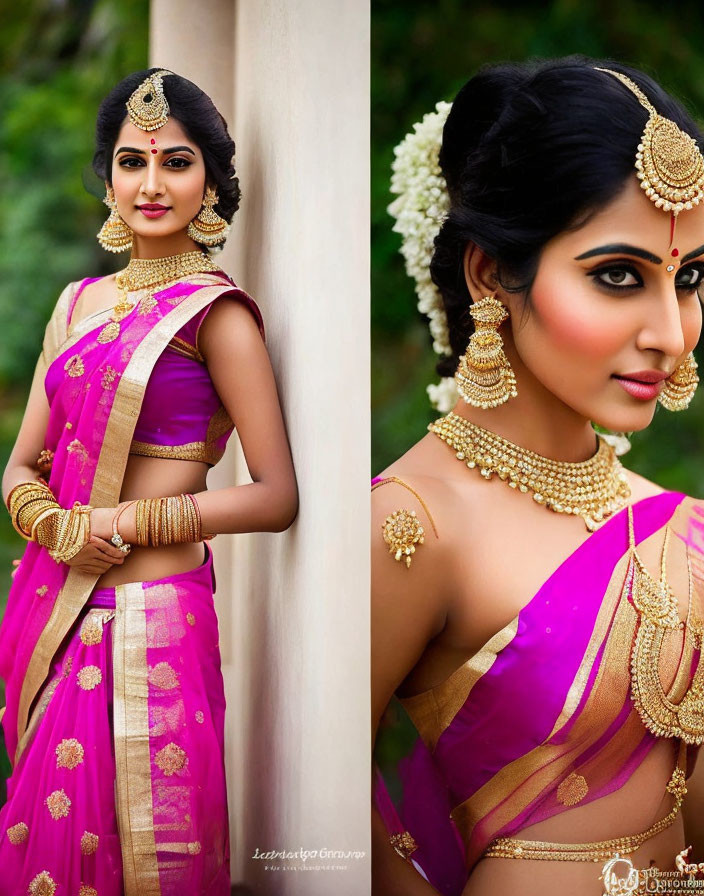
<point>162,521</point>
<point>37,516</point>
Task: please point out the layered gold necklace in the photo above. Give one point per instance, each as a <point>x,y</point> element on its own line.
<point>658,617</point>
<point>593,489</point>
<point>150,273</point>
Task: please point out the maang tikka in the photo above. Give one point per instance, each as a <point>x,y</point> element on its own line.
<point>669,163</point>
<point>484,377</point>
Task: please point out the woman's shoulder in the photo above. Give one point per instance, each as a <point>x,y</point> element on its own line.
<point>433,470</point>
<point>421,495</point>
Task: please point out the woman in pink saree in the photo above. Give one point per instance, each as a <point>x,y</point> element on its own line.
<point>114,720</point>
<point>538,609</point>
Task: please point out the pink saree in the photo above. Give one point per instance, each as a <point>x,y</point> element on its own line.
<point>115,704</point>
<point>542,718</point>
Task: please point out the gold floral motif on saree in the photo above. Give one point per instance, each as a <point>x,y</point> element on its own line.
<point>74,366</point>
<point>147,304</point>
<point>572,790</point>
<point>199,716</point>
<point>42,885</point>
<point>194,847</point>
<point>89,677</point>
<point>190,618</point>
<point>108,377</point>
<point>89,843</point>
<point>404,844</point>
<point>92,630</point>
<point>163,676</point>
<point>58,804</point>
<point>166,719</point>
<point>69,753</point>
<point>42,590</point>
<point>171,759</point>
<point>79,449</point>
<point>85,890</point>
<point>18,833</point>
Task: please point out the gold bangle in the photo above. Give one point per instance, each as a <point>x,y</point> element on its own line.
<point>163,521</point>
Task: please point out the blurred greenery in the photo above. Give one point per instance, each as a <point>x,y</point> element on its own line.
<point>424,52</point>
<point>60,57</point>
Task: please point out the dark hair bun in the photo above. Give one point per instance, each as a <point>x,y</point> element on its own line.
<point>528,150</point>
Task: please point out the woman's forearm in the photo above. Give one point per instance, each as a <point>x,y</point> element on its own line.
<point>254,507</point>
<point>391,874</point>
<point>16,474</point>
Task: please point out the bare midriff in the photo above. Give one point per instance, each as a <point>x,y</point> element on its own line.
<point>154,477</point>
<point>633,808</point>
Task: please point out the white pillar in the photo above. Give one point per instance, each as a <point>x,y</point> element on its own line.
<point>291,78</point>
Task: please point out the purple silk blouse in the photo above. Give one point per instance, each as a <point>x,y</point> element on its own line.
<point>182,416</point>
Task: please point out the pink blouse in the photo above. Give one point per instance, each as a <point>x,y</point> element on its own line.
<point>182,416</point>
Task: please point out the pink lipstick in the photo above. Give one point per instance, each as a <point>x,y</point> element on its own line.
<point>642,384</point>
<point>153,210</point>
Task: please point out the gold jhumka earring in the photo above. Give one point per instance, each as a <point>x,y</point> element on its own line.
<point>679,388</point>
<point>114,235</point>
<point>484,377</point>
<point>208,227</point>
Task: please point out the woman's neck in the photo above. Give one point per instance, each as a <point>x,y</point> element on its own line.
<point>539,421</point>
<point>162,247</point>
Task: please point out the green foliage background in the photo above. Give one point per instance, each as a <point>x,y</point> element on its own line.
<point>424,52</point>
<point>60,57</point>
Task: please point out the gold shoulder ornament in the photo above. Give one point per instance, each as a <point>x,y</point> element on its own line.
<point>402,530</point>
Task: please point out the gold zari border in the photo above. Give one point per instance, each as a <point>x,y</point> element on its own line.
<point>133,790</point>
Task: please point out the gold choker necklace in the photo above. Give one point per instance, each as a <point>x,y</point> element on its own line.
<point>149,273</point>
<point>593,489</point>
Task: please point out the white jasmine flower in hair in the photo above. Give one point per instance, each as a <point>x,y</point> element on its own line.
<point>618,441</point>
<point>421,206</point>
<point>443,395</point>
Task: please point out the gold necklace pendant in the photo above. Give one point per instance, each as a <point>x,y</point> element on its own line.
<point>593,489</point>
<point>150,274</point>
<point>658,615</point>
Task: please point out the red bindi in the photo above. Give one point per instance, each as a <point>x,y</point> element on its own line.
<point>154,151</point>
<point>675,253</point>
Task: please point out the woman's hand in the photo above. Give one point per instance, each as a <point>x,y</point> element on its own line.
<point>97,556</point>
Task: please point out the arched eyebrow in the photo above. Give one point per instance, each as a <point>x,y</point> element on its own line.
<point>691,255</point>
<point>166,152</point>
<point>625,249</point>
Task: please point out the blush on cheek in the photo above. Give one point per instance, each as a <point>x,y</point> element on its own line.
<point>573,323</point>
